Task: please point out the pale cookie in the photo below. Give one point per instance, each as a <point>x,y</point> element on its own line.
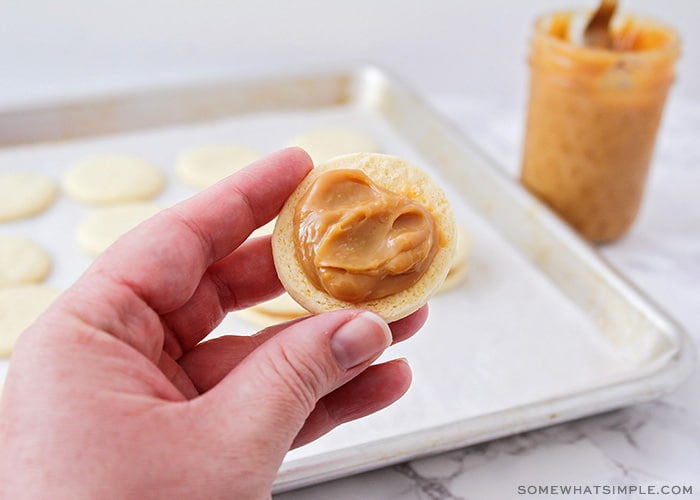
<point>22,261</point>
<point>398,177</point>
<point>24,194</point>
<point>262,319</point>
<point>19,307</point>
<point>454,278</point>
<point>105,225</point>
<point>326,143</point>
<point>458,267</point>
<point>271,312</point>
<point>206,165</point>
<point>264,230</point>
<point>282,305</point>
<point>107,179</point>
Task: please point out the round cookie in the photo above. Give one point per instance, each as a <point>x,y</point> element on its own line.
<point>262,319</point>
<point>454,278</point>
<point>105,225</point>
<point>19,307</point>
<point>278,310</point>
<point>206,165</point>
<point>24,194</point>
<point>326,143</point>
<point>264,230</point>
<point>281,308</point>
<point>282,305</point>
<point>458,267</point>
<point>22,261</point>
<point>392,174</point>
<point>106,179</point>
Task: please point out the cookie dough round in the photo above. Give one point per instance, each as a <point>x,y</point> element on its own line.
<point>24,194</point>
<point>271,312</point>
<point>264,230</point>
<point>326,143</point>
<point>107,179</point>
<point>281,306</point>
<point>392,174</point>
<point>204,166</point>
<point>19,307</point>
<point>262,319</point>
<point>458,267</point>
<point>22,261</point>
<point>105,225</point>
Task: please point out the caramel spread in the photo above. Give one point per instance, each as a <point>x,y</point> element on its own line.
<point>358,241</point>
<point>593,116</point>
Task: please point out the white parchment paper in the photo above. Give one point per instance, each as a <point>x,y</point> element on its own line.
<point>505,337</point>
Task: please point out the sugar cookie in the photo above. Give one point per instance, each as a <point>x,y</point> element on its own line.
<point>106,179</point>
<point>454,278</point>
<point>24,194</point>
<point>206,165</point>
<point>278,310</point>
<point>263,319</point>
<point>417,237</point>
<point>105,225</point>
<point>458,266</point>
<point>264,230</point>
<point>19,307</point>
<point>282,305</point>
<point>22,261</point>
<point>325,143</point>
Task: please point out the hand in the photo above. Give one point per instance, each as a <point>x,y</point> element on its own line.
<point>111,393</point>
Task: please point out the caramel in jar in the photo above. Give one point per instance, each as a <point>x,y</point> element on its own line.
<point>592,120</point>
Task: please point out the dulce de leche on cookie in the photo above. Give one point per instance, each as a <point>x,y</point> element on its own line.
<point>358,241</point>
<point>593,116</point>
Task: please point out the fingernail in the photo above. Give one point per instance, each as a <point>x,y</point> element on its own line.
<point>360,339</point>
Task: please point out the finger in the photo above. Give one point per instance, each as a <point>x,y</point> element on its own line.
<point>177,376</point>
<point>404,328</point>
<point>276,387</point>
<point>172,250</point>
<point>158,265</point>
<point>243,278</point>
<point>209,362</point>
<point>372,390</point>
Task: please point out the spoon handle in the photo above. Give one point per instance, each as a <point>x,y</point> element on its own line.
<point>597,32</point>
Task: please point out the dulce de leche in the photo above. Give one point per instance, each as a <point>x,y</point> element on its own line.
<point>359,241</point>
<point>592,119</point>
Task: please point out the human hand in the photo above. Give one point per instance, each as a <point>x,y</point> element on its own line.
<point>111,393</point>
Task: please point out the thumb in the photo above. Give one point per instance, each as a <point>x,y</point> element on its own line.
<point>270,394</point>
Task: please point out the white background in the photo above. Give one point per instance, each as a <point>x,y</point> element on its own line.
<point>69,47</point>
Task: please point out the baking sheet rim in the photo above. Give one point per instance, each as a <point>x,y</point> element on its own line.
<point>473,430</point>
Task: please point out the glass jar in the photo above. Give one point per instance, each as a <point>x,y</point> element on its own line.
<point>592,120</point>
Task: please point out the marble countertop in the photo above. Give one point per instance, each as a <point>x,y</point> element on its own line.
<point>650,449</point>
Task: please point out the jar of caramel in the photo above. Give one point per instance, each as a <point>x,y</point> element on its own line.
<point>592,119</point>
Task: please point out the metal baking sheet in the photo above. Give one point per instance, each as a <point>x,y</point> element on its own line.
<point>542,330</point>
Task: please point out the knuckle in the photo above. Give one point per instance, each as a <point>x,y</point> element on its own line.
<point>300,375</point>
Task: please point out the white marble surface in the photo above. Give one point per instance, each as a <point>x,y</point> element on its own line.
<point>650,446</point>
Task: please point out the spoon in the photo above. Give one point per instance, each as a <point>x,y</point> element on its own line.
<point>597,32</point>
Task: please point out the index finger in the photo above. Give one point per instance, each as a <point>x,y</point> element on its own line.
<point>163,259</point>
